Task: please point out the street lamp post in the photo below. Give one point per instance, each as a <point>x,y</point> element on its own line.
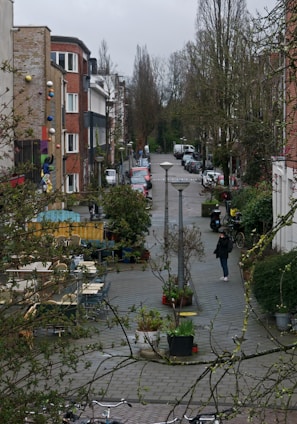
<point>121,149</point>
<point>99,160</point>
<point>180,186</point>
<point>166,166</point>
<point>130,145</point>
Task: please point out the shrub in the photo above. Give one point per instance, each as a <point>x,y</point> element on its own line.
<point>255,204</point>
<point>149,319</point>
<point>275,282</point>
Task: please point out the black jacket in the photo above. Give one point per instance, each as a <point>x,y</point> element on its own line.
<point>221,250</point>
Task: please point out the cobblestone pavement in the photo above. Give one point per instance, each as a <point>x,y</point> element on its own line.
<point>219,321</point>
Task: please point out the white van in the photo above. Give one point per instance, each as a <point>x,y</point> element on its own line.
<point>180,149</point>
<point>111,176</point>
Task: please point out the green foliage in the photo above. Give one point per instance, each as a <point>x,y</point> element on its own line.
<point>241,197</point>
<point>149,319</point>
<point>128,216</point>
<point>172,291</point>
<point>255,204</point>
<point>185,327</point>
<point>275,283</point>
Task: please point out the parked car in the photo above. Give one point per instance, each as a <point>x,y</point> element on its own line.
<point>180,149</point>
<point>140,188</point>
<point>233,181</point>
<point>186,156</point>
<point>140,180</point>
<point>141,170</point>
<point>196,167</point>
<point>111,176</point>
<point>209,177</point>
<point>190,164</point>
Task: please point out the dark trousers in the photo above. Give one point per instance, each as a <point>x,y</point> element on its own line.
<point>224,264</point>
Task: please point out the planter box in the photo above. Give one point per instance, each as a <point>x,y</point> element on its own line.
<point>282,320</point>
<point>180,345</point>
<point>294,324</point>
<point>184,301</point>
<point>147,339</point>
<point>206,209</point>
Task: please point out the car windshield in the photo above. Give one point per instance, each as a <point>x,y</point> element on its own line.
<point>138,179</point>
<point>140,172</point>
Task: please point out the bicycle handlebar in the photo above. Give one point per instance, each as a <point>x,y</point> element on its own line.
<point>113,405</point>
<point>169,422</point>
<point>203,418</point>
<point>212,417</point>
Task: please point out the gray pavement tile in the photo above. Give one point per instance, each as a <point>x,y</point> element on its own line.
<point>221,307</point>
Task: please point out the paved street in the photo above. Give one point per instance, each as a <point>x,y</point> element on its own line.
<point>219,320</point>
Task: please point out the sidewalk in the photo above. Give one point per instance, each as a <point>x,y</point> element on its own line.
<point>219,321</point>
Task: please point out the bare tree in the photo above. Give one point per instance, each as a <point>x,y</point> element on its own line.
<point>105,64</point>
<point>145,96</point>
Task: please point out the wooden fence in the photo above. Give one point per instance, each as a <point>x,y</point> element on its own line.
<point>86,230</point>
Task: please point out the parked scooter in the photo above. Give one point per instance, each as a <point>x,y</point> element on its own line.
<point>215,219</point>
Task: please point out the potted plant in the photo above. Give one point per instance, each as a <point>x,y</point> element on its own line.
<point>149,322</point>
<point>274,286</point>
<point>179,296</point>
<point>180,338</point>
<point>282,317</point>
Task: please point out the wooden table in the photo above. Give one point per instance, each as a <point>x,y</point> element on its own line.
<point>90,289</point>
<point>88,267</point>
<point>40,268</point>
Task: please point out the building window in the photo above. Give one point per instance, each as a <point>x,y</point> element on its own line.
<point>68,61</point>
<point>72,143</point>
<point>72,185</point>
<point>72,103</point>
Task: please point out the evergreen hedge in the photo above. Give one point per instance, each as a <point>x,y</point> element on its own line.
<point>271,276</point>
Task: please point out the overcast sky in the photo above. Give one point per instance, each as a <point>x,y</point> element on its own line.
<point>163,26</point>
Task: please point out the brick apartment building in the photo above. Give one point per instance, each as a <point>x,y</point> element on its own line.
<point>39,102</point>
<point>72,55</point>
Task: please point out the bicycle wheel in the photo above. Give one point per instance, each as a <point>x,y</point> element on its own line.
<point>240,240</point>
<point>226,220</point>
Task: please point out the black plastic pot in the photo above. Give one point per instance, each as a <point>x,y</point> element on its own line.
<point>180,345</point>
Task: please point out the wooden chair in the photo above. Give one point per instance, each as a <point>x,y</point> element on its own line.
<point>70,297</point>
<point>60,275</point>
<point>61,240</point>
<point>61,266</point>
<point>75,240</point>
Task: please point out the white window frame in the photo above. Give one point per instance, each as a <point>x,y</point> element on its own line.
<point>74,137</point>
<point>67,60</point>
<point>74,188</point>
<point>74,103</point>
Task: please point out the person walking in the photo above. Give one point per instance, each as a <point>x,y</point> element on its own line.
<point>222,252</point>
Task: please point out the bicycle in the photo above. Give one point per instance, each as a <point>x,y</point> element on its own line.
<point>210,418</point>
<point>107,412</point>
<point>53,411</point>
<point>236,235</point>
